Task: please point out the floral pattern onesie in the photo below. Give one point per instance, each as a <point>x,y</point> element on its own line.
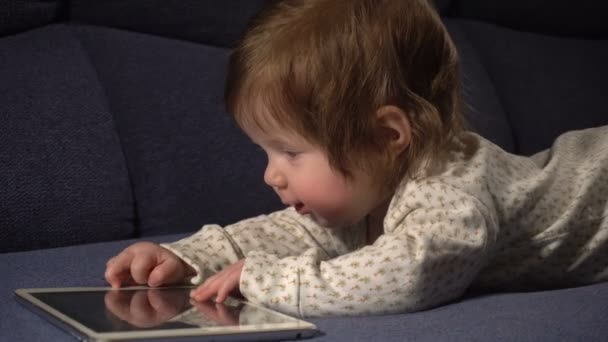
<point>487,219</point>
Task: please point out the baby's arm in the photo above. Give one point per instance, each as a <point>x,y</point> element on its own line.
<point>283,233</point>
<point>429,256</point>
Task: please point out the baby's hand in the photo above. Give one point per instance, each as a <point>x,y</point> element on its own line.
<point>146,263</point>
<point>221,284</point>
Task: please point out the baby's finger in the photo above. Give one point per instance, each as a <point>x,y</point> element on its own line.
<point>208,289</point>
<point>112,278</point>
<point>111,261</point>
<point>204,291</point>
<point>121,280</point>
<point>167,272</point>
<point>207,281</point>
<point>118,268</point>
<point>223,291</point>
<point>141,267</point>
<point>230,281</point>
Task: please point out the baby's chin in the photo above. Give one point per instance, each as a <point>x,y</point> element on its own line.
<point>330,223</point>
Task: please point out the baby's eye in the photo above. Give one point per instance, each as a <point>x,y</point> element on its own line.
<point>291,154</point>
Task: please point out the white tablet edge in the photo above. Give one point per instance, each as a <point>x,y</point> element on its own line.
<point>299,325</point>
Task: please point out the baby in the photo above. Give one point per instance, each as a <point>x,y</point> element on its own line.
<point>392,205</point>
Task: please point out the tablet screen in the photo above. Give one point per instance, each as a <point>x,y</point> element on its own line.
<point>144,312</point>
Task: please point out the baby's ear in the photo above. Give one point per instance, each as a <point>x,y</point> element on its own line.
<point>395,125</point>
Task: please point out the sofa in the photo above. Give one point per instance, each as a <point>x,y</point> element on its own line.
<point>113,130</point>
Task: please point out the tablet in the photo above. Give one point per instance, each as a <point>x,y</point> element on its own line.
<point>158,314</point>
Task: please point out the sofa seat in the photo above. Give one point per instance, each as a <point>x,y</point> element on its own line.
<point>575,314</point>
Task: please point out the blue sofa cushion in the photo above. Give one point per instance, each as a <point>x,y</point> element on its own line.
<point>483,111</point>
<point>18,15</point>
<point>63,178</point>
<point>546,85</point>
<point>583,18</point>
<point>189,163</point>
<point>576,314</point>
<point>211,22</point>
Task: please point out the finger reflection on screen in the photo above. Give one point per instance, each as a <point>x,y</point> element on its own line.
<point>170,307</point>
<point>146,308</point>
<point>221,313</point>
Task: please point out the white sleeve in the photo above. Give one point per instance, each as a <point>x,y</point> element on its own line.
<point>430,253</point>
<point>282,233</point>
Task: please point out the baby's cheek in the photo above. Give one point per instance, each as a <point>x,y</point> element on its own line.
<point>327,201</point>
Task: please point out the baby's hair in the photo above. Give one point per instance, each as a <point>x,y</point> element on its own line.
<point>322,68</point>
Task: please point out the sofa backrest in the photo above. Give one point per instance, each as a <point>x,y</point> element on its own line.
<point>545,60</point>
<point>107,134</point>
<point>188,163</point>
<point>582,18</point>
<point>19,16</point>
<point>544,84</point>
<point>63,179</point>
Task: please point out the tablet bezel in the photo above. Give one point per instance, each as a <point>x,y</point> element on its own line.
<point>291,330</point>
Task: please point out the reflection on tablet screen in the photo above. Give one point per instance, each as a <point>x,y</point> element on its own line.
<point>151,309</point>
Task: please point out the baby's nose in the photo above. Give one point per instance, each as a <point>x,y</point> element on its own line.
<point>274,178</point>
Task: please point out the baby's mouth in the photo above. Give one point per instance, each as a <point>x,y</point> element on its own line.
<point>299,207</point>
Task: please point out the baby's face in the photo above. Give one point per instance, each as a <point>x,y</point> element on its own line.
<point>300,174</point>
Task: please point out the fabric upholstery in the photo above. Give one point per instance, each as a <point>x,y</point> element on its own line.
<point>577,314</point>
<point>63,177</point>
<point>583,18</point>
<point>483,111</point>
<point>18,15</point>
<point>189,164</point>
<point>211,22</point>
<point>556,84</point>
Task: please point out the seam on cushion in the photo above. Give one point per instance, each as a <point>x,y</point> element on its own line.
<point>136,214</point>
<point>482,63</point>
